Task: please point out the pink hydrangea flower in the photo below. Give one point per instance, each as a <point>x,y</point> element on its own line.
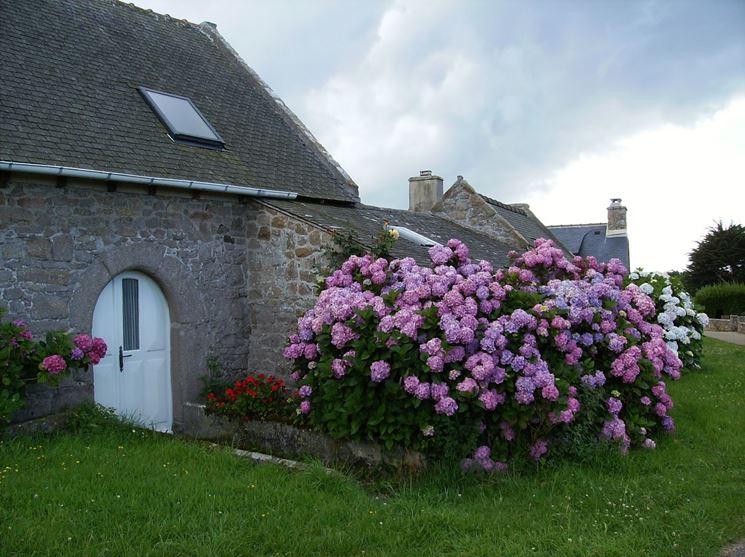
<point>54,364</point>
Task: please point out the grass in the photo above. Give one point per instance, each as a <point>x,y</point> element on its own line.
<point>123,492</point>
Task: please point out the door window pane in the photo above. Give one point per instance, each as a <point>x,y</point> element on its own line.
<point>131,313</point>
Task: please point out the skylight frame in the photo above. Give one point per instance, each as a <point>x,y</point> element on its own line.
<point>411,236</point>
<point>197,140</point>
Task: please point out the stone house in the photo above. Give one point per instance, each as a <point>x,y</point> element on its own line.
<point>604,240</point>
<point>156,192</point>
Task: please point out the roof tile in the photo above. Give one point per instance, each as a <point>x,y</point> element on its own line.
<point>70,75</point>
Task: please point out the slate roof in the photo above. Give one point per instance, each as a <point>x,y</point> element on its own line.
<point>367,222</point>
<point>590,239</point>
<point>525,222</point>
<point>68,97</point>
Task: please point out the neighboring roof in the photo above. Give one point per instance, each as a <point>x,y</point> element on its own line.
<point>525,222</point>
<point>68,96</point>
<point>368,222</point>
<point>590,239</point>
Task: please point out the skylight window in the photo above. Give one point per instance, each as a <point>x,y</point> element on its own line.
<point>182,118</point>
<point>412,236</point>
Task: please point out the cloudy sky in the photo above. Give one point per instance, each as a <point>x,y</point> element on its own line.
<point>560,104</point>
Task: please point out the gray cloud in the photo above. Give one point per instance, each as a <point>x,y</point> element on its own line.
<point>503,92</point>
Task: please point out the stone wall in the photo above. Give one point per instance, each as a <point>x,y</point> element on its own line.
<point>236,272</point>
<point>733,323</point>
<point>283,265</point>
<point>60,246</point>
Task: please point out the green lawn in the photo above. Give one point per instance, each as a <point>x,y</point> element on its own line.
<point>124,492</point>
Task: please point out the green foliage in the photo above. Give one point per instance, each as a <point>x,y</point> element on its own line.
<point>346,243</point>
<point>91,417</point>
<point>215,380</point>
<point>722,299</point>
<point>719,257</point>
<point>19,360</point>
<point>578,442</point>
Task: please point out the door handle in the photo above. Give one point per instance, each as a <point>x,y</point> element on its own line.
<point>121,359</point>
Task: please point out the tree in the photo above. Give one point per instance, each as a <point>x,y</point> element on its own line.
<point>719,257</point>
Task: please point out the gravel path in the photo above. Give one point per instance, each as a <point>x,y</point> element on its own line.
<point>734,338</point>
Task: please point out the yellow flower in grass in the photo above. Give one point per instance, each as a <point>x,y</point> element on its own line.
<point>394,233</point>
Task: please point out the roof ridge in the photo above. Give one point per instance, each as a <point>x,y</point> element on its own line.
<point>210,30</point>
<point>576,225</point>
<point>157,15</point>
<point>512,208</point>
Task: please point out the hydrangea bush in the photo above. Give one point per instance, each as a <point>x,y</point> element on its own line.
<point>683,325</point>
<point>497,363</point>
<point>25,360</point>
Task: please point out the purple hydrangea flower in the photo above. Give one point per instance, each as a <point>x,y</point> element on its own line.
<point>447,406</point>
<point>379,371</point>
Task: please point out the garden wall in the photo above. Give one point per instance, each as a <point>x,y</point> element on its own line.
<point>236,273</point>
<point>733,323</point>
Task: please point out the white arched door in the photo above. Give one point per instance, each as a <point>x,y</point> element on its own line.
<point>134,378</point>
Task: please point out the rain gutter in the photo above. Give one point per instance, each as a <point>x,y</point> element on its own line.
<point>70,172</point>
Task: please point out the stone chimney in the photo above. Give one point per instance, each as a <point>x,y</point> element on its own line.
<point>616,218</point>
<point>424,191</point>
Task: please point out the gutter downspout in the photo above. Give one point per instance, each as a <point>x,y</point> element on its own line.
<point>67,171</point>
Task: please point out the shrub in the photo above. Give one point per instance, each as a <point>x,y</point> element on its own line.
<point>25,360</point>
<point>345,244</point>
<point>683,325</point>
<point>727,298</point>
<point>261,396</point>
<point>399,353</point>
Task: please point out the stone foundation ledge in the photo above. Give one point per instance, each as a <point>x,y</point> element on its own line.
<point>287,441</point>
<point>45,424</point>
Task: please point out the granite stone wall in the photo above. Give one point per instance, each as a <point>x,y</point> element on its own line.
<point>732,323</point>
<point>284,261</point>
<point>235,272</point>
<point>463,205</point>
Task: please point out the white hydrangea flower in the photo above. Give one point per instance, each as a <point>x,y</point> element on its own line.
<point>703,319</point>
<point>668,290</point>
<point>665,319</point>
<point>647,288</point>
<point>633,276</point>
